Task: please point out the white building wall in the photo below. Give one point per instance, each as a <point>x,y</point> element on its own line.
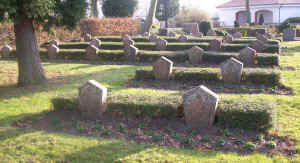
<point>280,13</point>
<point>289,11</point>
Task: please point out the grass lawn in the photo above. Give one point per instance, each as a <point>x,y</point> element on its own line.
<point>31,145</point>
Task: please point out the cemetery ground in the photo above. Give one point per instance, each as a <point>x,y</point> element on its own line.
<point>36,126</point>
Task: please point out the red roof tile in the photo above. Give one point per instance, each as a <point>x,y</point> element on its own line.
<point>241,3</point>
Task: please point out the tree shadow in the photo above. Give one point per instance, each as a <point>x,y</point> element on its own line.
<point>106,77</point>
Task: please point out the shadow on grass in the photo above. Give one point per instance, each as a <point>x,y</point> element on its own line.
<point>107,77</point>
<point>218,87</point>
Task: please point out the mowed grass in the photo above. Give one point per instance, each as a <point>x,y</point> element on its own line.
<point>29,145</point>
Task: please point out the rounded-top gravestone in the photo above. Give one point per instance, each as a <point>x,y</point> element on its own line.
<point>195,55</point>
<point>92,99</point>
<point>200,105</point>
<point>232,70</point>
<point>162,68</point>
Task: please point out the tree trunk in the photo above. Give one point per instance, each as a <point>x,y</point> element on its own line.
<point>248,12</point>
<point>166,13</point>
<point>94,8</point>
<point>150,16</point>
<point>29,62</point>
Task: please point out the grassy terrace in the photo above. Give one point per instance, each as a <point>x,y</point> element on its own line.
<point>191,39</point>
<point>40,145</point>
<point>175,46</point>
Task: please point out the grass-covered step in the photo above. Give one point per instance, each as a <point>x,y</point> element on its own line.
<point>230,113</point>
<point>175,39</point>
<point>170,47</point>
<point>263,59</point>
<point>202,75</point>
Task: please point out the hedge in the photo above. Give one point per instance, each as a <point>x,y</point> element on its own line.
<point>244,114</point>
<point>263,59</point>
<point>170,47</point>
<point>191,39</point>
<point>202,75</point>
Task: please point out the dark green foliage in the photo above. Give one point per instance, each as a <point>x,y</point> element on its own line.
<point>230,113</point>
<point>175,46</point>
<point>191,39</point>
<point>255,115</point>
<point>119,8</point>
<point>163,13</point>
<point>205,26</point>
<point>261,19</point>
<point>288,23</point>
<point>202,75</point>
<point>56,12</point>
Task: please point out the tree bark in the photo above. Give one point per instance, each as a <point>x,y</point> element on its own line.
<point>248,12</point>
<point>166,13</point>
<point>29,63</point>
<point>150,16</point>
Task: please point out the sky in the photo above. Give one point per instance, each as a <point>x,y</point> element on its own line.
<point>207,5</point>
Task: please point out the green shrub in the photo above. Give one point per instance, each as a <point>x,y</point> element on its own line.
<point>119,8</point>
<point>230,113</point>
<point>288,23</point>
<point>255,115</point>
<point>202,75</point>
<point>171,46</point>
<point>205,26</point>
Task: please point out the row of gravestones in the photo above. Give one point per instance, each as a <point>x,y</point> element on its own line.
<point>199,104</point>
<point>231,70</point>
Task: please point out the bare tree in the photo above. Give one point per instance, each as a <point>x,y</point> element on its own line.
<point>150,17</point>
<point>248,12</point>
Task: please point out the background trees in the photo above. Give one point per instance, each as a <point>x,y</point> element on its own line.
<point>167,9</point>
<point>119,8</point>
<point>26,15</point>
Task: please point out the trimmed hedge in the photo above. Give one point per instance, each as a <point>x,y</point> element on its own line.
<point>244,114</point>
<point>150,56</point>
<point>171,46</point>
<point>191,39</point>
<point>202,75</point>
<point>254,115</point>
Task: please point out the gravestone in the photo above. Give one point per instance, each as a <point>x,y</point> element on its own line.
<point>237,35</point>
<point>163,31</point>
<point>258,45</point>
<point>261,37</point>
<point>6,51</point>
<point>198,34</point>
<point>96,43</point>
<point>153,38</point>
<point>131,53</point>
<point>200,105</point>
<point>232,70</point>
<point>248,56</point>
<point>128,42</point>
<point>190,28</point>
<point>195,55</point>
<point>147,34</point>
<point>92,99</point>
<point>162,68</point>
<point>269,35</point>
<point>161,44</point>
<point>260,30</point>
<point>172,34</point>
<point>53,51</point>
<point>228,38</point>
<point>125,37</point>
<point>211,33</point>
<point>183,38</point>
<point>289,34</point>
<point>55,42</point>
<point>87,37</point>
<point>215,45</point>
<point>91,52</point>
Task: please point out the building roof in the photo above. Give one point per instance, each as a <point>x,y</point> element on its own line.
<point>241,3</point>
